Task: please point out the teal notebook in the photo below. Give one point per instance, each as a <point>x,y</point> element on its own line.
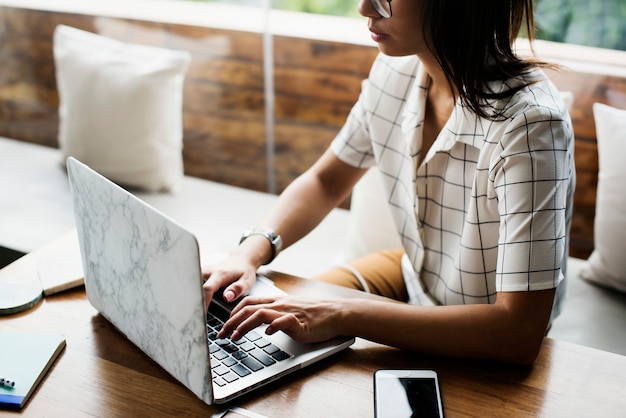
<point>25,358</point>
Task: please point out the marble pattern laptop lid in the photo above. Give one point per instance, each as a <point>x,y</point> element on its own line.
<point>142,273</point>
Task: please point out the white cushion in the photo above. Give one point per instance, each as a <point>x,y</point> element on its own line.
<point>568,99</point>
<point>121,108</point>
<point>370,227</point>
<point>607,263</point>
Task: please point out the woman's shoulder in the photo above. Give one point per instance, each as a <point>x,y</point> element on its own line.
<point>535,95</point>
<point>537,107</point>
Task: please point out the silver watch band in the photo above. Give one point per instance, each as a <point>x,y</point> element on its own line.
<point>275,240</point>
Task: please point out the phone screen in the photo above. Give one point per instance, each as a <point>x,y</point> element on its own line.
<point>407,396</point>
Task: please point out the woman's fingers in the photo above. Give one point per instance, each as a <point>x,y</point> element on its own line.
<point>232,275</point>
<point>288,323</point>
<point>258,317</point>
<point>244,317</point>
<point>303,320</point>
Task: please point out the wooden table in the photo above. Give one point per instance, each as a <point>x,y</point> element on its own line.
<point>102,374</point>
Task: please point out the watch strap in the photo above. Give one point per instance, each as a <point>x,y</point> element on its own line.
<point>274,239</point>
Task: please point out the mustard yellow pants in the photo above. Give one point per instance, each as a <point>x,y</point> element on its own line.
<point>381,272</point>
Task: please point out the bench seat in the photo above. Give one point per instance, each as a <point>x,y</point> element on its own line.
<point>35,209</point>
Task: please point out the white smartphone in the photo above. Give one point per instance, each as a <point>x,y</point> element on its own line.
<point>407,393</point>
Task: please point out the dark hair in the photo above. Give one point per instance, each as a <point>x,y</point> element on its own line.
<point>473,42</point>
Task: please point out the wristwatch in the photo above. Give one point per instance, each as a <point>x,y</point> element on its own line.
<point>275,240</point>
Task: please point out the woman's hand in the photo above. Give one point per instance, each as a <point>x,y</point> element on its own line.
<point>235,274</point>
<point>304,320</point>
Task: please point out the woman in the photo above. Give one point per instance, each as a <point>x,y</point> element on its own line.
<point>475,149</point>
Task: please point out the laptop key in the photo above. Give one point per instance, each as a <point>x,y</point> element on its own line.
<point>262,357</point>
<point>239,355</point>
<point>230,377</point>
<point>229,361</point>
<point>220,370</point>
<point>270,349</point>
<point>252,336</point>
<point>280,355</point>
<point>252,364</point>
<point>213,321</point>
<point>247,346</point>
<point>240,370</point>
<point>222,342</point>
<point>231,348</point>
<point>261,343</point>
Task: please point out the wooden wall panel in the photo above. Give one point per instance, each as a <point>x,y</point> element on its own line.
<point>316,84</point>
<point>588,87</point>
<point>224,109</point>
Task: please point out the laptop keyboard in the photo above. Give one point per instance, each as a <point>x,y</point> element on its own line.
<point>232,360</point>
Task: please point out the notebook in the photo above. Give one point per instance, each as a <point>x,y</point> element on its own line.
<point>25,360</point>
<point>143,273</point>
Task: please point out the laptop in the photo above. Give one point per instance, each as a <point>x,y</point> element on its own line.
<point>143,274</point>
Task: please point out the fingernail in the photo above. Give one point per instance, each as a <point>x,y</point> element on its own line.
<point>229,295</point>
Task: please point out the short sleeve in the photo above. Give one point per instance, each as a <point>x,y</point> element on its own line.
<point>352,144</point>
<point>533,180</point>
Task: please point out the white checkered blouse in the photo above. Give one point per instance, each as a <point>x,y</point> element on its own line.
<point>488,209</point>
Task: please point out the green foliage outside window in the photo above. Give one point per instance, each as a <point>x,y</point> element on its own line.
<point>330,7</point>
<point>325,7</point>
<point>600,23</point>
